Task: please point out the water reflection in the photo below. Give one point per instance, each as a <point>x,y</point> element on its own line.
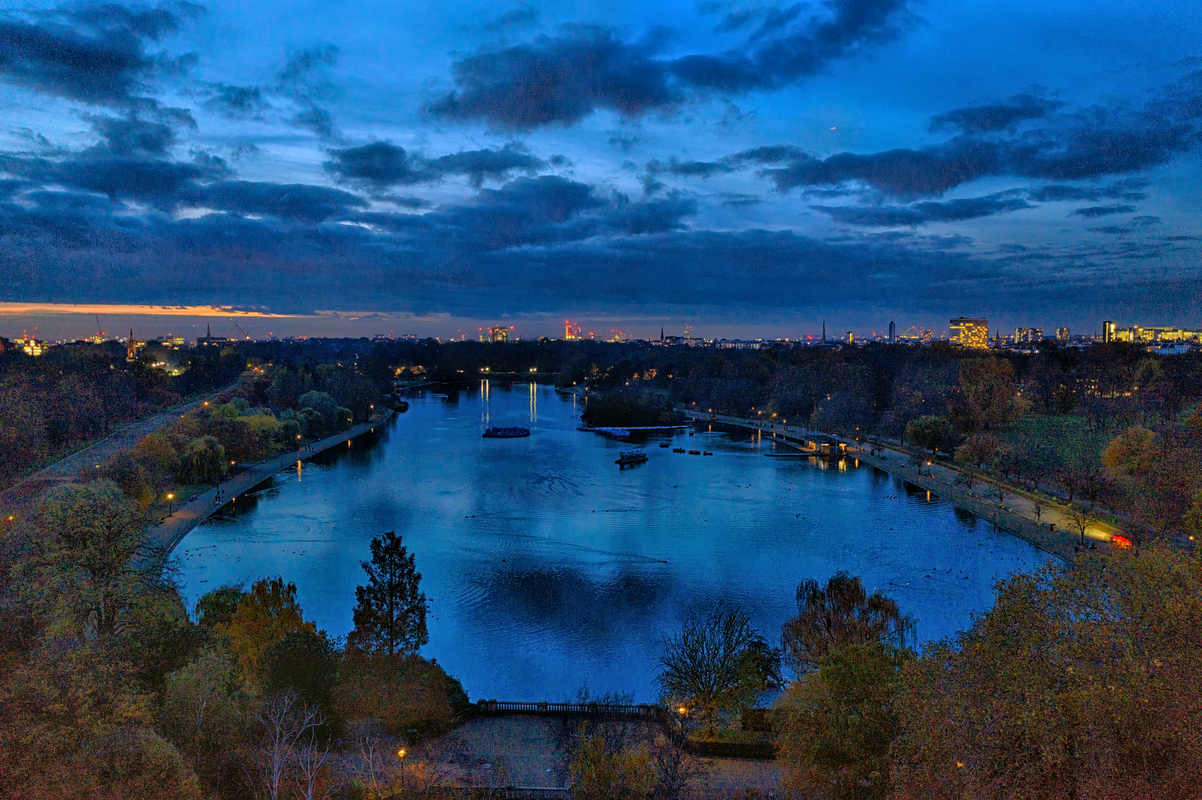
<point>549,568</point>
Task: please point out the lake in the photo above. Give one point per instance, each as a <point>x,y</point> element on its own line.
<point>550,569</point>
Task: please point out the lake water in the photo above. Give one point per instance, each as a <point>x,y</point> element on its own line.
<point>549,569</point>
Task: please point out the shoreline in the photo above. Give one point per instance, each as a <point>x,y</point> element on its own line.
<point>1055,543</point>
<point>180,522</point>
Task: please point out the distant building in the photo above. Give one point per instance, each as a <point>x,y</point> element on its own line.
<point>498,335</point>
<point>1028,335</point>
<point>849,337</point>
<point>30,346</point>
<point>1062,335</point>
<point>209,340</point>
<point>968,332</point>
<point>1108,331</point>
<point>892,332</point>
<point>131,347</point>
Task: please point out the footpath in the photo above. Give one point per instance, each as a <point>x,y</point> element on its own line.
<point>21,495</point>
<point>1052,532</point>
<point>177,524</point>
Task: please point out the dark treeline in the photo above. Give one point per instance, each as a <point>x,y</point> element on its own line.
<point>52,405</point>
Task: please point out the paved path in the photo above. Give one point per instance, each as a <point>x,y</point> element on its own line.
<point>1016,514</point>
<point>177,525</point>
<point>21,495</point>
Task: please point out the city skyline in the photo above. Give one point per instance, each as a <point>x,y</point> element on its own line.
<point>749,169</point>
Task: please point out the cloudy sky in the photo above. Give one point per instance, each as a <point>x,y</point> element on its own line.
<point>745,167</point>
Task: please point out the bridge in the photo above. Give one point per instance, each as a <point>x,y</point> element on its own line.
<point>805,440</point>
<point>642,711</point>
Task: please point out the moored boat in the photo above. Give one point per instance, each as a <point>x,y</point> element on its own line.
<point>628,457</point>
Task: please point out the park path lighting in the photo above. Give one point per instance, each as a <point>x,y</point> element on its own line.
<point>170,497</point>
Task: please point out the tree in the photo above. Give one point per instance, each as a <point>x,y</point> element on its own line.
<point>202,712</point>
<point>263,617</point>
<point>304,660</point>
<point>390,612</point>
<point>92,559</point>
<point>835,725</point>
<point>287,725</point>
<point>990,391</point>
<point>600,773</point>
<point>716,663</point>
<point>1079,521</point>
<point>204,461</point>
<point>1080,683</point>
<point>839,615</point>
<point>216,607</point>
<point>928,432</point>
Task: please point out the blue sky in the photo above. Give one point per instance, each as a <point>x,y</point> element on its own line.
<point>746,168</point>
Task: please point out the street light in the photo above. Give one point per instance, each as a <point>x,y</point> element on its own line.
<point>170,497</point>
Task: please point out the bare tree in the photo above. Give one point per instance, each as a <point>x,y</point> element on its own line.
<point>1079,520</point>
<point>717,662</point>
<point>312,774</point>
<point>1039,506</point>
<point>285,720</point>
<point>999,491</point>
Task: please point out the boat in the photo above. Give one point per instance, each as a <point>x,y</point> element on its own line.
<point>506,433</point>
<point>629,457</point>
<point>694,452</point>
<point>677,449</point>
<point>707,453</point>
<point>663,445</point>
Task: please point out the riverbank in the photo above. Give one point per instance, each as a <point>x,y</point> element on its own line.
<point>1049,530</point>
<point>180,522</point>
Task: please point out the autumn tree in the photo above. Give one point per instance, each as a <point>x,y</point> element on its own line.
<point>1084,682</point>
<point>91,563</point>
<point>991,392</point>
<point>390,611</point>
<point>263,617</point>
<point>717,662</point>
<point>929,433</point>
<point>835,725</point>
<point>203,461</point>
<point>838,615</point>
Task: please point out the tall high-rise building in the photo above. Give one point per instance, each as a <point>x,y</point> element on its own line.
<point>969,332</point>
<point>892,331</point>
<point>1062,334</point>
<point>1108,331</point>
<point>498,335</point>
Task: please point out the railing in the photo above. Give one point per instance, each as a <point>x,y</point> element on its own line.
<point>642,711</point>
<point>501,793</point>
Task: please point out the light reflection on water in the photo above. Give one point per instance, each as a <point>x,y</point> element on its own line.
<point>549,568</point>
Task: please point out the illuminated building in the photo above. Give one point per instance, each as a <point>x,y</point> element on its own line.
<point>969,332</point>
<point>571,331</point>
<point>30,346</point>
<point>892,332</point>
<point>131,347</point>
<point>1028,335</point>
<point>209,340</point>
<point>498,335</point>
<point>1062,334</point>
<point>1108,331</point>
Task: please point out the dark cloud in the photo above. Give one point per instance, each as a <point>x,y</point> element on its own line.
<point>306,67</point>
<point>237,101</point>
<point>131,135</point>
<point>689,169</point>
<point>923,213</point>
<point>382,164</point>
<point>481,164</point>
<point>996,117</point>
<point>563,78</point>
<point>305,79</point>
<point>1085,146</point>
<point>624,143</point>
<point>1093,212</point>
<point>93,53</point>
<point>319,121</point>
<point>379,164</point>
<point>297,202</point>
<point>518,18</point>
<point>1128,189</point>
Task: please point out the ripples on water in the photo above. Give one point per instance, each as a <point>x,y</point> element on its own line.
<point>549,569</point>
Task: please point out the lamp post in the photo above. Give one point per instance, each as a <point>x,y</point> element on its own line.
<point>170,497</point>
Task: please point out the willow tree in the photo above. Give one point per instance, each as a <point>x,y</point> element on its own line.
<point>839,615</point>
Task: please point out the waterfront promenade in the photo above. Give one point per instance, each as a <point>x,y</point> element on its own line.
<point>183,519</point>
<point>1016,514</point>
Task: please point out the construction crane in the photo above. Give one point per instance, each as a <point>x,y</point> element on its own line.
<point>239,327</point>
<point>99,332</point>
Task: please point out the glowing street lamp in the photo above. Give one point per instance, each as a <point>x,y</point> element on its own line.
<point>170,497</point>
